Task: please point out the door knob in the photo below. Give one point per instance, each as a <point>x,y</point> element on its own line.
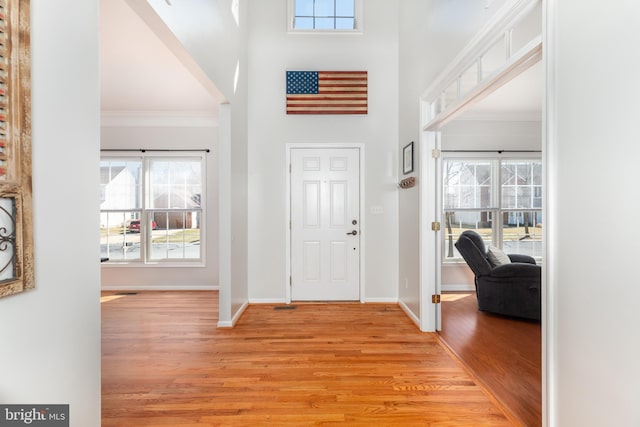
<point>353,233</point>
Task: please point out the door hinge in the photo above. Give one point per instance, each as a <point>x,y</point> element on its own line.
<point>435,153</point>
<point>290,281</point>
<point>435,299</point>
<point>435,225</point>
<point>289,167</point>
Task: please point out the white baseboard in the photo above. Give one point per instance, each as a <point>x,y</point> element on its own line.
<point>462,287</point>
<point>381,301</point>
<point>225,324</point>
<point>410,313</point>
<point>267,301</point>
<point>160,288</point>
<point>236,317</point>
<point>368,300</point>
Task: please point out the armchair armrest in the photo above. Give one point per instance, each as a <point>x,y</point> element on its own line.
<point>517,269</point>
<point>521,258</point>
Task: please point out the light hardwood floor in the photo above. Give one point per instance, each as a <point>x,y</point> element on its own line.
<point>164,363</point>
<point>502,353</point>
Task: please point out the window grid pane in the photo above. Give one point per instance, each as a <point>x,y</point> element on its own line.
<point>324,15</point>
<point>518,189</point>
<point>304,7</point>
<point>324,8</point>
<point>120,184</point>
<point>175,184</point>
<point>324,23</point>
<point>522,232</point>
<point>176,236</point>
<point>467,184</point>
<point>517,219</point>
<point>302,23</point>
<point>345,8</point>
<point>165,224</point>
<point>118,241</point>
<point>345,23</point>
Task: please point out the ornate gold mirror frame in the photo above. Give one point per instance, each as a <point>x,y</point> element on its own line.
<point>16,224</point>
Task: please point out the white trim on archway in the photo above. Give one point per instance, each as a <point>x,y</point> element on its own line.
<point>438,107</point>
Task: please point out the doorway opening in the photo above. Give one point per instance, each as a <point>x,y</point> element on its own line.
<point>482,128</point>
<point>496,191</point>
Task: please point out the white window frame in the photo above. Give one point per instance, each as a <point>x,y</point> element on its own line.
<point>145,259</point>
<point>357,25</point>
<point>496,209</point>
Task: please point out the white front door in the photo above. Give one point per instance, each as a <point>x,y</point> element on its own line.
<point>325,224</point>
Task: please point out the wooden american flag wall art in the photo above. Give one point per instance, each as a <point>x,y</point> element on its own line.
<point>327,92</point>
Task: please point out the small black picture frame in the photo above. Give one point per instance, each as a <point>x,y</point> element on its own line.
<point>407,158</point>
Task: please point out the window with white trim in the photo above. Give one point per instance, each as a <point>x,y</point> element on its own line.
<point>152,209</point>
<point>325,15</point>
<point>501,199</point>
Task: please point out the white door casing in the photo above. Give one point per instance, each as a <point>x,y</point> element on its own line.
<point>435,115</point>
<point>325,224</point>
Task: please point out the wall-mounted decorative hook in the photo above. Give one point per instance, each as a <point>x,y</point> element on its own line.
<point>407,183</point>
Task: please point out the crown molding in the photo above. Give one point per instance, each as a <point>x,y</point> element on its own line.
<point>159,119</point>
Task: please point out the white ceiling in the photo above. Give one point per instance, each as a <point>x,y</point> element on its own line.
<point>519,99</point>
<point>138,72</point>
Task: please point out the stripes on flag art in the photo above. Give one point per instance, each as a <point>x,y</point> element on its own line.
<point>326,92</point>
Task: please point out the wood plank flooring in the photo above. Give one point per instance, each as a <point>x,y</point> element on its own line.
<point>164,363</point>
<point>504,354</point>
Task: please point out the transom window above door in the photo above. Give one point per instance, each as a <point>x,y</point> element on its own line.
<point>324,15</point>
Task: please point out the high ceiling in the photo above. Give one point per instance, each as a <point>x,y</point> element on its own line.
<point>519,99</point>
<point>138,73</point>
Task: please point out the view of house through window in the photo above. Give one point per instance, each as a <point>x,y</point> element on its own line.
<point>501,199</point>
<point>324,15</point>
<point>151,209</point>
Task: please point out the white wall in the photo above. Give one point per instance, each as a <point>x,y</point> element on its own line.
<point>207,29</point>
<point>271,52</point>
<point>593,176</point>
<point>51,335</point>
<point>431,33</point>
<point>215,34</point>
<point>170,137</point>
<point>492,135</point>
<point>238,183</point>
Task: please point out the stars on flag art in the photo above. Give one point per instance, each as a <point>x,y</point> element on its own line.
<point>327,92</point>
